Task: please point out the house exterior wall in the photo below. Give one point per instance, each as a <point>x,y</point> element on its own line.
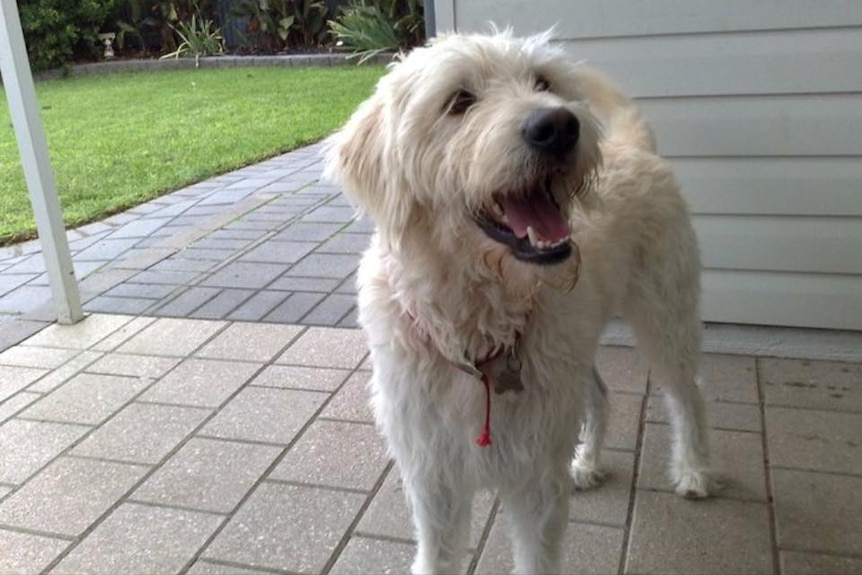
<point>758,105</point>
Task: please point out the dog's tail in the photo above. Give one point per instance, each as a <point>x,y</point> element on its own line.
<point>623,123</point>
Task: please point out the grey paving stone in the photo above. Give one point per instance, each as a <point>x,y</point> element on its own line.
<point>257,306</point>
<point>207,474</point>
<point>289,283</point>
<point>335,454</point>
<point>171,337</point>
<point>623,421</point>
<point>28,268</point>
<point>132,365</point>
<point>153,540</point>
<point>28,445</point>
<point>351,403</point>
<point>287,527</point>
<point>815,440</point>
<point>227,196</point>
<point>65,372</point>
<point>209,243</point>
<point>250,342</point>
<point>672,535</point>
<point>351,320</point>
<point>204,567</point>
<point>226,301</point>
<point>122,305</point>
<point>106,249</point>
<point>123,334</point>
<point>294,308</point>
<point>87,398</point>
<point>294,377</point>
<point>232,234</point>
<point>38,357</point>
<point>27,553</point>
<point>325,266</point>
<point>14,379</point>
<point>817,511</point>
<point>363,555</point>
<point>142,433</point>
<point>10,282</point>
<point>622,369</point>
<point>24,299</point>
<point>139,228</point>
<point>608,503</point>
<point>797,563</point>
<point>17,403</point>
<point>389,514</point>
<point>330,311</point>
<point>720,415</point>
<point>252,225</point>
<point>330,213</point>
<point>165,277</point>
<point>308,232</point>
<point>244,275</point>
<point>349,286</point>
<point>279,414</point>
<point>81,335</point>
<point>82,270</point>
<point>729,378</point>
<point>812,384</point>
<point>346,244</point>
<point>587,549</point>
<point>182,264</point>
<point>15,330</point>
<point>103,280</point>
<point>360,226</point>
<point>279,252</point>
<point>68,495</point>
<point>737,457</point>
<point>208,254</point>
<point>201,382</point>
<point>326,347</point>
<point>188,301</point>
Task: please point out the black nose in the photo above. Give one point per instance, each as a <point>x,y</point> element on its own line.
<point>551,130</point>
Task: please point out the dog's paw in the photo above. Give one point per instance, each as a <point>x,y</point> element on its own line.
<point>695,484</point>
<point>586,476</point>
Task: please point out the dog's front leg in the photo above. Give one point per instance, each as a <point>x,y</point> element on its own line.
<point>538,513</point>
<point>441,516</point>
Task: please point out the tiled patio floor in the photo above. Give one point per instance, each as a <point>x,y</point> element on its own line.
<point>161,445</point>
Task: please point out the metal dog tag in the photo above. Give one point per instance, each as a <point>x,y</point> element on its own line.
<point>509,378</point>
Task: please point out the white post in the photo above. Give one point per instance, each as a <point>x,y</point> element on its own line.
<point>21,94</point>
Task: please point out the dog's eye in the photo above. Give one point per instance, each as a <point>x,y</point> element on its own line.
<point>542,84</point>
<point>460,102</point>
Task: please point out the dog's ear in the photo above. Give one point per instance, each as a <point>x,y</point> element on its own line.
<point>357,157</point>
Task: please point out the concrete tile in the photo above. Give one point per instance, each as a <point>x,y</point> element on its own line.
<point>293,377</point>
<point>817,511</point>
<point>28,445</point>
<point>608,503</point>
<point>360,226</point>
<point>328,213</point>
<point>309,232</point>
<point>131,365</point>
<point>87,398</point>
<point>287,527</point>
<point>24,299</point>
<point>141,291</point>
<point>65,372</point>
<point>182,264</point>
<point>68,495</point>
<point>165,277</point>
<point>624,420</point>
<point>226,301</point>
<point>16,403</point>
<point>351,403</point>
<point>27,553</point>
<point>139,228</point>
<point>207,474</point>
<point>797,563</point>
<point>389,513</point>
<point>587,549</point>
<point>14,379</point>
<point>81,335</point>
<point>44,357</point>
<point>294,308</point>
<point>720,415</point>
<point>250,342</point>
<point>105,250</point>
<point>812,384</point>
<point>126,305</point>
<point>330,311</point>
<point>188,301</point>
<point>142,433</point>
<point>815,440</point>
<point>245,275</point>
<point>737,457</point>
<point>123,334</point>
<point>363,555</point>
<point>279,414</point>
<point>672,535</point>
<point>335,454</point>
<point>14,330</point>
<point>279,252</point>
<point>325,266</point>
<point>204,567</point>
<point>326,347</point>
<point>152,540</point>
<point>172,337</point>
<point>622,368</point>
<point>346,244</point>
<point>11,282</point>
<point>729,378</point>
<point>320,285</point>
<point>201,382</point>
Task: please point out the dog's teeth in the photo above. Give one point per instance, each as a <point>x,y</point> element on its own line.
<point>498,210</point>
<point>531,234</point>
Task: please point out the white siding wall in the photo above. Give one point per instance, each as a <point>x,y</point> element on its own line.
<point>758,104</point>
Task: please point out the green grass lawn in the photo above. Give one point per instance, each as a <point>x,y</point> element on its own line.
<point>118,140</point>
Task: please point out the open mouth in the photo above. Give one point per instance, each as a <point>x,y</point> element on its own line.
<point>530,224</point>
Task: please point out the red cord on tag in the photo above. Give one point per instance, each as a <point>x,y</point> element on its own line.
<point>484,440</point>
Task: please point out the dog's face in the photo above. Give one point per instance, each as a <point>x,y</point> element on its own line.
<point>474,144</point>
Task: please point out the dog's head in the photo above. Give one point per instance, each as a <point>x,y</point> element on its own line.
<point>475,144</point>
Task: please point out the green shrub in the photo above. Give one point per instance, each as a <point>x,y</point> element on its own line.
<point>59,31</point>
<point>369,27</point>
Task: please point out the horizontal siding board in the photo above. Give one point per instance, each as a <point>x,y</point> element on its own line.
<point>730,64</point>
<point>816,245</point>
<point>764,298</point>
<point>600,18</point>
<point>772,186</point>
<point>758,126</point>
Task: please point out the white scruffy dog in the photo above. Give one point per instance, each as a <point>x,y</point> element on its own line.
<point>519,203</point>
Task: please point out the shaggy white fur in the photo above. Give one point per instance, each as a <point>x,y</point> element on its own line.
<point>464,145</point>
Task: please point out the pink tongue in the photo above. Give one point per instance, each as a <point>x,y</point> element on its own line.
<point>535,210</point>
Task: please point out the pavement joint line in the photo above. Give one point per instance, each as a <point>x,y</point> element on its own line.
<point>381,537</point>
<point>633,487</point>
<point>767,469</point>
<point>237,565</point>
<point>37,532</point>
<point>321,486</point>
<point>484,536</point>
<point>161,505</point>
<point>819,471</point>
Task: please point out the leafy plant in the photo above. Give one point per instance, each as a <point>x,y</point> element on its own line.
<point>199,38</point>
<point>370,28</point>
<point>274,25</point>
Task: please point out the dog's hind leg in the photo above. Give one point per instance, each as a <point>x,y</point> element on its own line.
<point>441,516</point>
<point>538,513</point>
<point>586,471</point>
